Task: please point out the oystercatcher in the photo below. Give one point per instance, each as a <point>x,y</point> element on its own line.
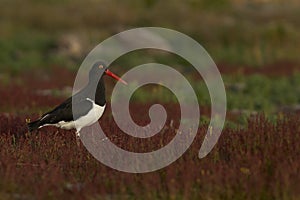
<point>89,106</point>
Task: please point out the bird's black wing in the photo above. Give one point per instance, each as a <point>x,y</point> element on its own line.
<point>64,111</point>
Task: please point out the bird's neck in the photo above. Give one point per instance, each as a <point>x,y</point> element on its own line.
<point>99,96</point>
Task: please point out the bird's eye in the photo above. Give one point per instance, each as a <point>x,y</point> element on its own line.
<point>100,66</point>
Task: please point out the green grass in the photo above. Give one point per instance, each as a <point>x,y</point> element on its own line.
<point>260,93</point>
<point>241,34</point>
<point>29,50</point>
<point>255,93</point>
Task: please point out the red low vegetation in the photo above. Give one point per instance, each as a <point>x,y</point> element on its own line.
<point>258,162</point>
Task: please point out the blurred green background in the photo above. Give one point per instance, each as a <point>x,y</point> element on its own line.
<point>238,32</point>
<point>251,42</point>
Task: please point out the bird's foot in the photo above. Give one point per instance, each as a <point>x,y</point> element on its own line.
<point>77,134</point>
<point>78,138</point>
<point>78,141</point>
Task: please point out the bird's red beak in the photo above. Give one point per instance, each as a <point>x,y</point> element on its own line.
<point>109,73</point>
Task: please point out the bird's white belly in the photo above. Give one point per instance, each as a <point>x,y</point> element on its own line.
<point>90,118</point>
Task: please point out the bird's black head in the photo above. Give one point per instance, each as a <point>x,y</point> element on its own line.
<point>99,69</point>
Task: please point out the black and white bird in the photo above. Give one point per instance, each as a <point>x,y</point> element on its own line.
<point>89,104</point>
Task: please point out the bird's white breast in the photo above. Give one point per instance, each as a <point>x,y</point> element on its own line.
<point>91,117</point>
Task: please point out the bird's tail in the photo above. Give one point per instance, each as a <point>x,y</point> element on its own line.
<point>33,125</point>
